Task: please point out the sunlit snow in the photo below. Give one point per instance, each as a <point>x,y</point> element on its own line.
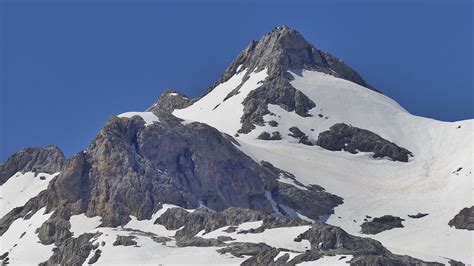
<point>148,117</point>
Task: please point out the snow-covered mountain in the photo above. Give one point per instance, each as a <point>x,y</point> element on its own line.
<point>291,157</point>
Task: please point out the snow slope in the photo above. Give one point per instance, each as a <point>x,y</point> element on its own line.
<point>223,115</point>
<point>22,242</point>
<point>428,183</point>
<point>369,186</point>
<point>148,117</point>
<point>149,252</point>
<point>20,188</point>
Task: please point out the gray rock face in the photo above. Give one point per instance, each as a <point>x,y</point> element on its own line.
<point>198,242</point>
<point>280,173</point>
<point>95,257</point>
<point>224,238</point>
<point>273,123</point>
<point>4,259</point>
<point>393,260</point>
<point>43,199</point>
<point>300,135</point>
<point>266,136</point>
<point>169,101</point>
<point>199,220</point>
<point>245,249</point>
<point>352,139</point>
<point>312,202</point>
<point>72,251</point>
<point>56,228</point>
<point>274,90</point>
<point>464,219</point>
<point>130,168</point>
<point>381,224</point>
<point>418,215</point>
<point>39,160</point>
<point>326,240</point>
<point>279,51</point>
<point>455,263</point>
<point>285,49</point>
<point>174,218</point>
<point>333,237</point>
<point>329,239</point>
<point>161,239</point>
<point>125,241</point>
<point>263,258</point>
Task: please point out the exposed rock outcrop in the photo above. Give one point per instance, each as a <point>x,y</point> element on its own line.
<point>245,249</point>
<point>312,202</point>
<point>47,159</point>
<point>125,241</point>
<point>464,219</point>
<point>33,205</point>
<point>72,251</point>
<point>56,228</point>
<point>266,136</point>
<point>352,139</point>
<point>418,215</point>
<point>273,123</point>
<point>285,49</point>
<point>278,52</point>
<point>455,263</point>
<point>284,174</point>
<point>161,239</point>
<point>329,239</point>
<point>169,101</point>
<point>130,168</point>
<point>381,224</point>
<point>300,136</point>
<point>275,90</point>
<point>95,257</point>
<point>198,242</point>
<point>193,223</point>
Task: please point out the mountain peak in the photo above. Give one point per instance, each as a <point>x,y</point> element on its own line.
<point>169,101</point>
<point>284,32</point>
<point>284,49</point>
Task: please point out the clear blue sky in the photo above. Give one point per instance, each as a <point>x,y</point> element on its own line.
<point>67,66</point>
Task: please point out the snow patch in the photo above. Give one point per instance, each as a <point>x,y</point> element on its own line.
<point>148,117</point>
<point>292,255</point>
<point>20,188</point>
<point>282,237</point>
<point>81,224</point>
<point>22,242</point>
<point>330,260</point>
<point>224,115</point>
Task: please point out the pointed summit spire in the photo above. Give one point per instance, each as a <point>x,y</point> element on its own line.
<point>285,49</point>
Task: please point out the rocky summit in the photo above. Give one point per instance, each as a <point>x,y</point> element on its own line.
<point>290,157</point>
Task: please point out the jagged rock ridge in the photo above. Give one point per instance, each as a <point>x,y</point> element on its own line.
<point>39,160</point>
<point>278,52</point>
<point>169,101</point>
<point>285,49</point>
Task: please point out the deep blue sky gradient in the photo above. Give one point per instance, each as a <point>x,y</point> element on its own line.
<point>67,66</point>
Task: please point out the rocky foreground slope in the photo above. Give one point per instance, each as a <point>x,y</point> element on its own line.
<point>289,157</point>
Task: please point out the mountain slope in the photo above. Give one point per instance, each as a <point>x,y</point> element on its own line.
<point>316,155</point>
<point>427,183</point>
